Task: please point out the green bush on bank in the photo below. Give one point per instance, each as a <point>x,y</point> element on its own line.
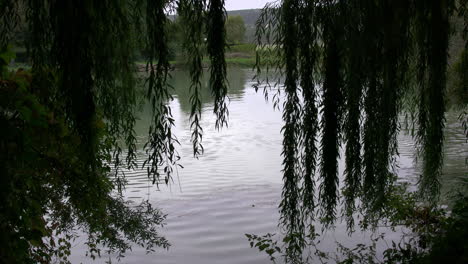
<point>437,235</point>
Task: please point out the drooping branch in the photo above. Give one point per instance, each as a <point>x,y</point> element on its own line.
<point>192,13</point>
<point>431,132</point>
<point>370,50</point>
<point>160,147</point>
<point>308,58</point>
<point>352,124</point>
<point>216,45</point>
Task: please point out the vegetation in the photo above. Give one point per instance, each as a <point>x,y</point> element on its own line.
<point>49,189</point>
<point>68,120</point>
<point>235,29</point>
<point>457,90</point>
<point>429,235</point>
<point>358,64</point>
<point>250,17</point>
<point>237,52</point>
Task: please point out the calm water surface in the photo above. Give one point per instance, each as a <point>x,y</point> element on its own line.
<point>235,187</point>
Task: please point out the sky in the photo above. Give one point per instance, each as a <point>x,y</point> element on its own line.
<point>245,4</point>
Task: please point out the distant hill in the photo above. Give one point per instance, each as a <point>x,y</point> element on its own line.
<point>250,16</point>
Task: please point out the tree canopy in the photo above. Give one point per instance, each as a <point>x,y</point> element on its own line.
<point>235,29</point>
<point>347,69</point>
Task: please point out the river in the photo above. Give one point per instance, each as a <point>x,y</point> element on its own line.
<point>235,187</point>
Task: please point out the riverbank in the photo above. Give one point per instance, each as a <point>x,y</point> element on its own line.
<point>240,55</point>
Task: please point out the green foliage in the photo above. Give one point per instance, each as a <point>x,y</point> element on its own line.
<point>243,48</point>
<point>216,44</point>
<point>6,56</point>
<point>191,13</point>
<point>235,29</point>
<point>68,122</point>
<point>48,191</point>
<point>457,89</point>
<point>175,36</point>
<point>250,17</point>
<point>352,61</point>
<point>160,146</point>
<point>429,235</point>
<point>355,62</point>
<point>289,206</point>
<point>265,243</point>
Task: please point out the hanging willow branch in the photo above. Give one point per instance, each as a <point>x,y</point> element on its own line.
<point>290,204</point>
<point>370,50</point>
<point>462,70</point>
<point>192,15</point>
<point>268,60</point>
<point>352,127</point>
<point>216,45</point>
<point>160,147</point>
<point>432,110</point>
<point>83,78</point>
<point>308,58</point>
<point>331,112</point>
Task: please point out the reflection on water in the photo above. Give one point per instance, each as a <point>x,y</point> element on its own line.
<point>181,84</point>
<point>235,187</point>
<point>455,154</point>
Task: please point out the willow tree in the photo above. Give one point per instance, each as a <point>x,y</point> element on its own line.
<point>356,66</point>
<point>68,123</point>
<point>346,67</point>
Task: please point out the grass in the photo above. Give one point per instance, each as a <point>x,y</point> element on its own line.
<point>240,55</point>
<point>247,48</point>
<point>244,62</point>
